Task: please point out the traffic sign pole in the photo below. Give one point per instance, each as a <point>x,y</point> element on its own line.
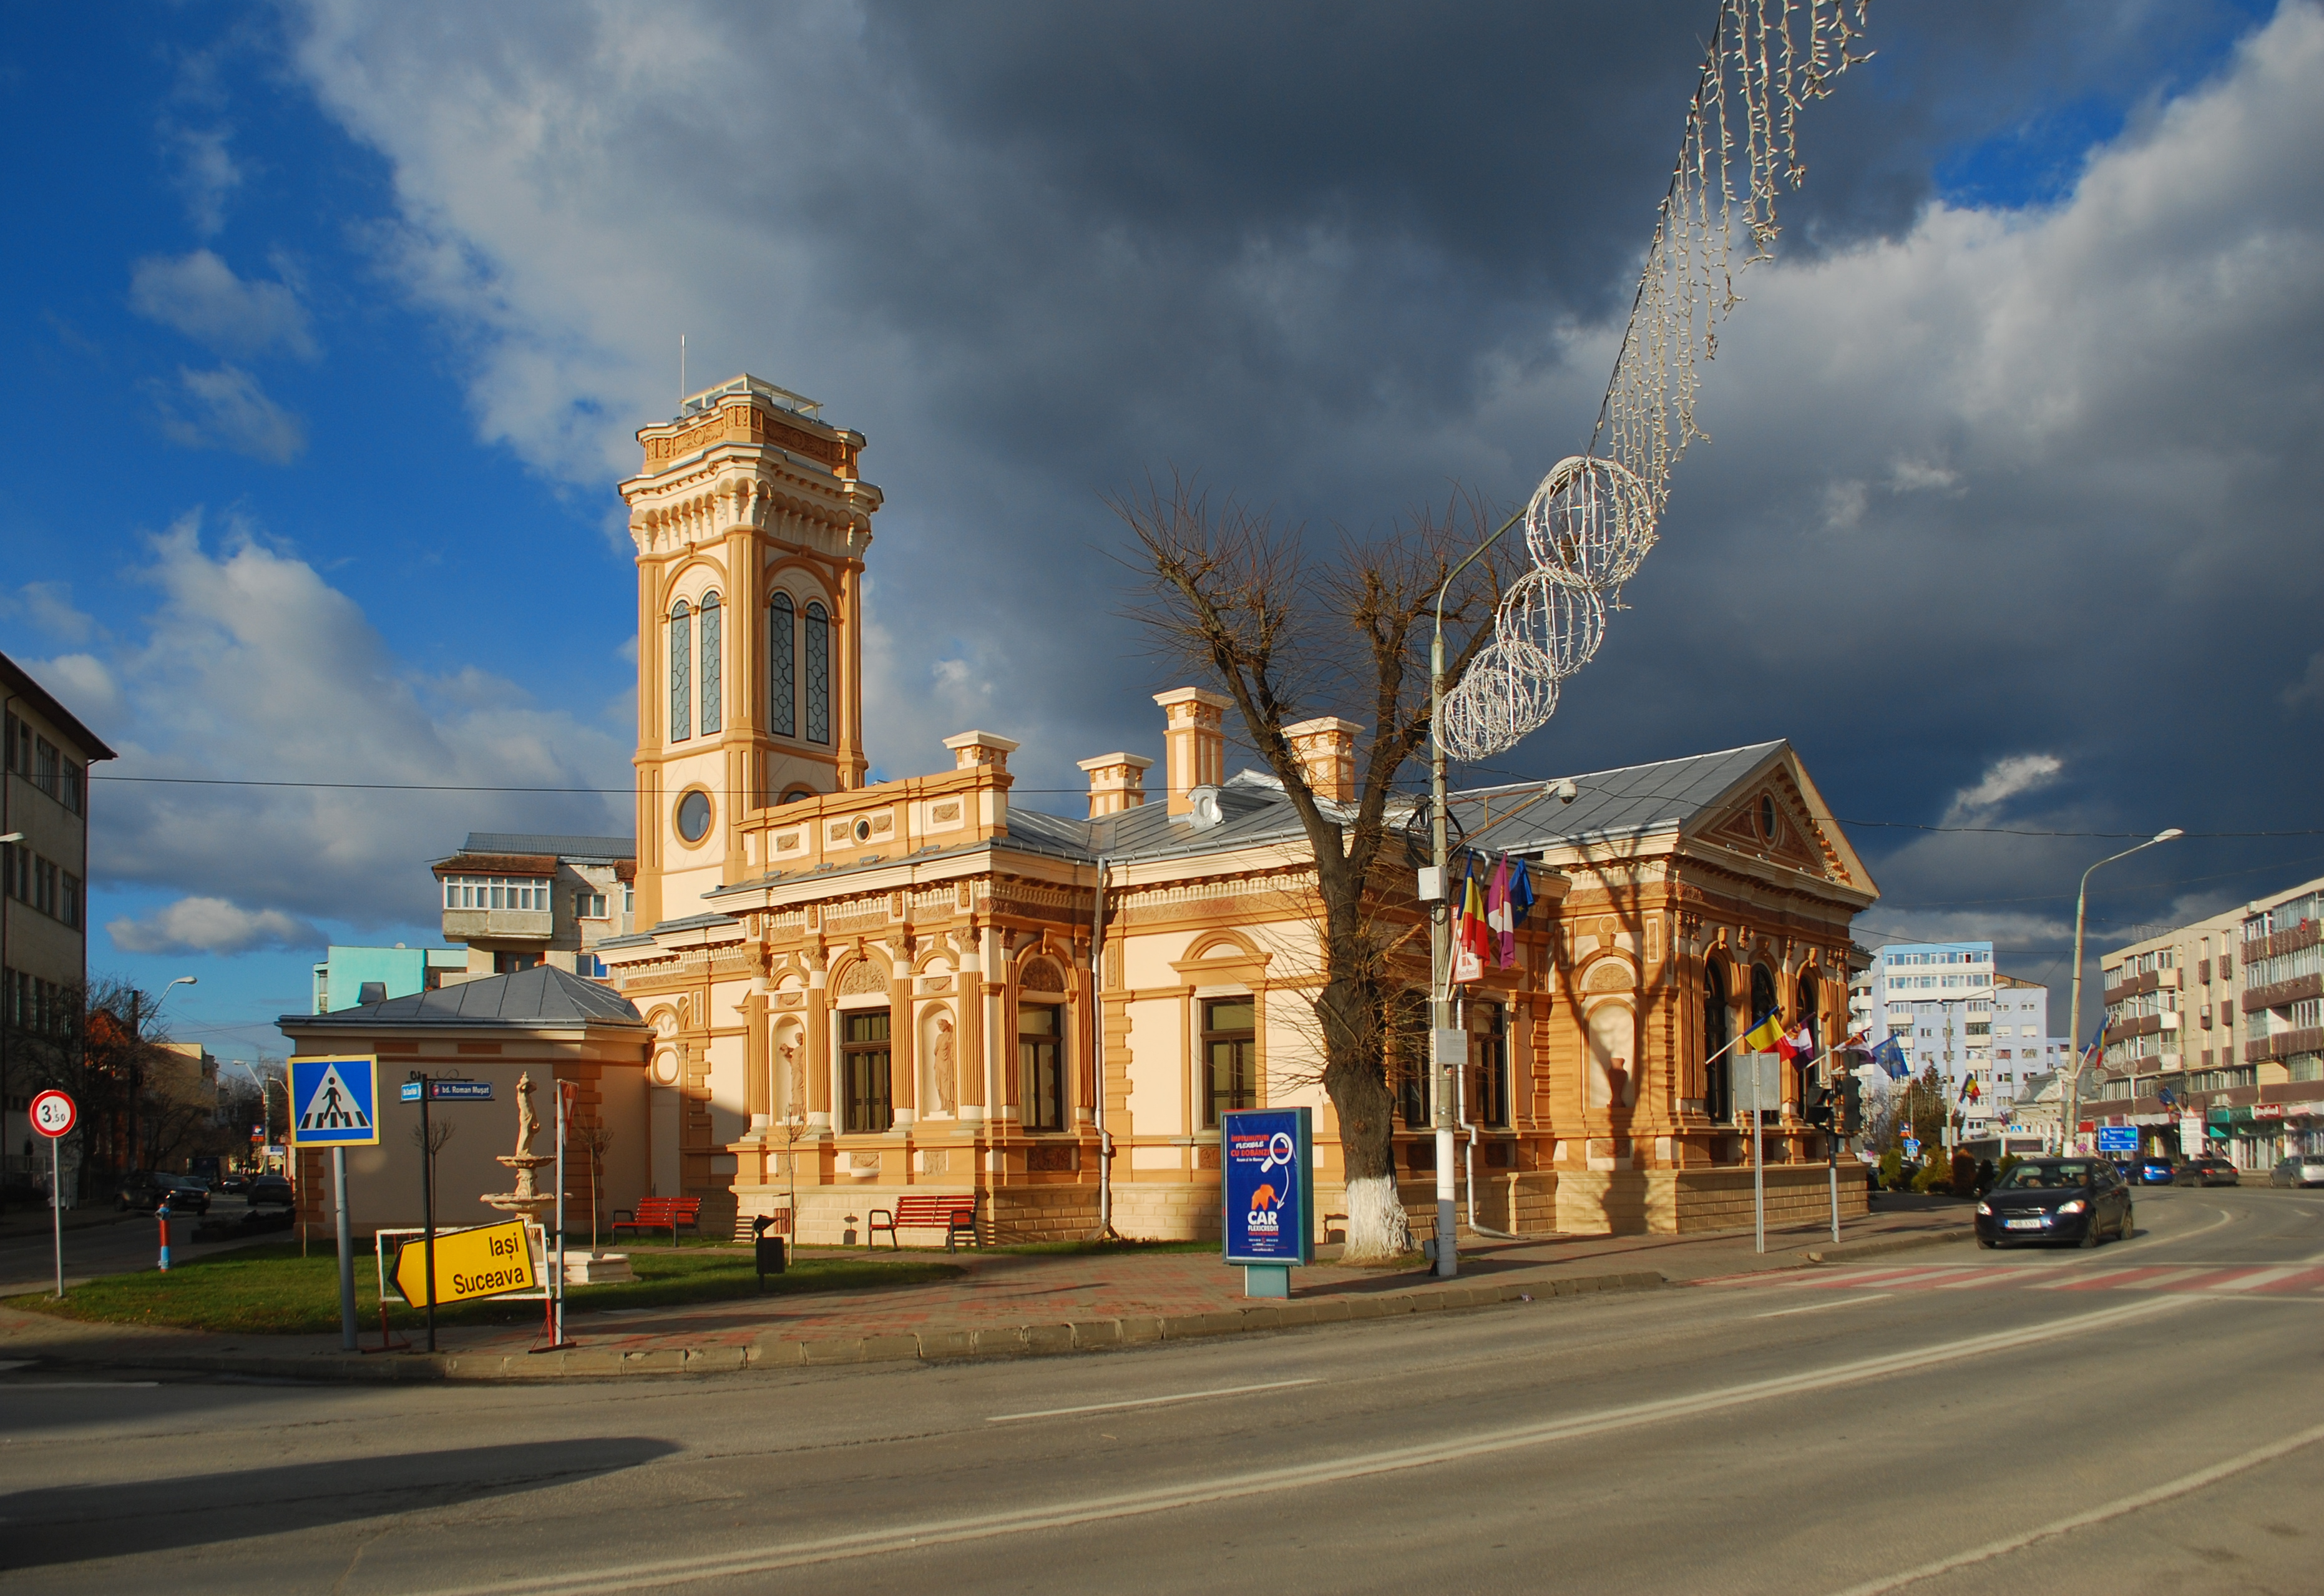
<point>54,1115</point>
<point>428,1202</point>
<point>346,1252</point>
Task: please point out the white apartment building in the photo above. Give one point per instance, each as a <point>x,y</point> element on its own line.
<point>1948,1006</point>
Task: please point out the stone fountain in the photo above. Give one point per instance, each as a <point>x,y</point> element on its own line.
<point>529,1201</point>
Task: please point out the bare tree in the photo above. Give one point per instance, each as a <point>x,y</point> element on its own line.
<point>1287,637</point>
<point>593,1140</point>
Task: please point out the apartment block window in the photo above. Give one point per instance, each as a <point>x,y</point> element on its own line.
<point>1229,1056</point>
<point>864,1069</point>
<point>477,892</point>
<point>589,965</point>
<point>629,898</point>
<point>588,906</point>
<point>1041,1064</point>
<point>505,963</point>
<point>782,665</point>
<point>46,763</point>
<point>69,901</point>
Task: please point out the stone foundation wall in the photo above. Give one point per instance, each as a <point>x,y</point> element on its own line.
<point>1172,1211</point>
<point>1684,1202</point>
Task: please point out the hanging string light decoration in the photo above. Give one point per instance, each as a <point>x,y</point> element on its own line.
<point>1592,521</point>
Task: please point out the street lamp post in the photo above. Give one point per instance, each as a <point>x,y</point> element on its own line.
<point>7,998</point>
<point>265,1118</point>
<point>2072,1126</point>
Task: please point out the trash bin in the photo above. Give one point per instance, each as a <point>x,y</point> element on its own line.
<point>770,1249</point>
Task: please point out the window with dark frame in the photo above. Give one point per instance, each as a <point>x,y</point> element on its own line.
<point>681,672</point>
<point>1229,1056</point>
<point>818,674</point>
<point>713,710</point>
<point>1041,1064</point>
<point>1408,1043</point>
<point>1718,1101</point>
<point>865,1073</point>
<point>1488,1065</point>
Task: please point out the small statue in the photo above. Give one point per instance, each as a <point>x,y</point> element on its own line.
<point>794,1079</point>
<point>947,1083</point>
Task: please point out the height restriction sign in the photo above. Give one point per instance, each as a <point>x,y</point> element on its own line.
<point>335,1102</point>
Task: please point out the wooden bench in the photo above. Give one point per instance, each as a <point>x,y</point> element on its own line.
<point>657,1213</point>
<point>952,1213</point>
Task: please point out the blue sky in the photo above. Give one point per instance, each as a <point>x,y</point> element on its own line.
<point>329,325</point>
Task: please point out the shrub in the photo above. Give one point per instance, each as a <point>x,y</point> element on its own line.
<point>1892,1168</point>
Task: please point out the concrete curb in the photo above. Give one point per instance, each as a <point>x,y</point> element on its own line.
<point>772,1351</point>
<point>1856,1249</point>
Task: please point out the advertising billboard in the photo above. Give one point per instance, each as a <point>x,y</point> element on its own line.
<point>1267,1159</point>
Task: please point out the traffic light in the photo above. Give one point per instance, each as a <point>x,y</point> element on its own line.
<point>1851,1105</point>
<point>1815,1098</point>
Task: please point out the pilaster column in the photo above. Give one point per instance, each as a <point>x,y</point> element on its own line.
<point>758,1072</point>
<point>821,1061</point>
<point>968,1047</point>
<point>903,1078</point>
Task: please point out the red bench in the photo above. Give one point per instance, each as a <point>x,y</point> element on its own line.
<point>952,1213</point>
<point>660,1213</point>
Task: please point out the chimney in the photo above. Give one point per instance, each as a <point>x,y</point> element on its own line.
<point>971,749</point>
<point>1327,748</point>
<point>1117,782</point>
<point>1193,743</point>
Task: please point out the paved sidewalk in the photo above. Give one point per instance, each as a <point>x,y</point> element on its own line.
<point>1001,1304</point>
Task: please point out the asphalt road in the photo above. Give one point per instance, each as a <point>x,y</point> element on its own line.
<point>2148,1416</point>
<point>112,1246</point>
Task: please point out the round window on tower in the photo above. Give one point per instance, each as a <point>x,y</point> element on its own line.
<point>694,816</point>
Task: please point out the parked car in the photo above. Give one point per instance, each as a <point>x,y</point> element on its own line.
<point>235,1183</point>
<point>2209,1171</point>
<point>2153,1169</point>
<point>2300,1169</point>
<point>267,1188</point>
<point>2081,1201</point>
<point>140,1188</point>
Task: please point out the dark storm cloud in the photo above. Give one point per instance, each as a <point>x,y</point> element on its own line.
<point>1982,487</point>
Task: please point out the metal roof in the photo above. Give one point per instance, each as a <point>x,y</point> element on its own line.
<point>91,747</point>
<point>543,997</point>
<point>541,842</point>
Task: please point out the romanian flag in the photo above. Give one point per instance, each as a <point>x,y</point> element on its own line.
<point>1471,935</point>
<point>1764,1037</point>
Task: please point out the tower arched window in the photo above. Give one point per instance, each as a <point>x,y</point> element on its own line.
<point>714,709</point>
<point>782,665</point>
<point>681,672</point>
<point>1763,993</point>
<point>818,674</point>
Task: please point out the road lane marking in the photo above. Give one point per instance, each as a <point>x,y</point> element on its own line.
<point>1273,1385</point>
<point>2180,1486</point>
<point>1249,1484</point>
<point>2256,1279</point>
<point>1818,1307</point>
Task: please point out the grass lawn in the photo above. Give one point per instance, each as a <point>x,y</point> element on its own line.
<point>271,1290</point>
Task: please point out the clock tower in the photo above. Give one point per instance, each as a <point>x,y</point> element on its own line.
<point>750,524</point>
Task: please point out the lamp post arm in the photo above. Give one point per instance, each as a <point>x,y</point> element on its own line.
<point>2074,1062</point>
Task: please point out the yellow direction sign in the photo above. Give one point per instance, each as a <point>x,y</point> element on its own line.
<point>487,1261</point>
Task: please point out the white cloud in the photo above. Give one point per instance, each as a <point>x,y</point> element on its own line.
<point>2309,688</point>
<point>1844,504</point>
<point>49,605</point>
<point>199,295</point>
<point>213,925</point>
<point>2004,779</point>
<point>251,666</point>
<point>82,681</point>
<point>207,173</point>
<point>1921,476</point>
<point>229,409</point>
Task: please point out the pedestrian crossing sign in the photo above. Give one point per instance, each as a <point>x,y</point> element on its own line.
<point>335,1102</point>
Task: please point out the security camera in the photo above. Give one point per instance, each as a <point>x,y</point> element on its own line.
<point>1565,791</point>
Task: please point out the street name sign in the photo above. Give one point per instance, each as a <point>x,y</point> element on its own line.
<point>448,1091</point>
<point>1269,1186</point>
<point>335,1102</point>
<point>53,1114</point>
<point>489,1261</point>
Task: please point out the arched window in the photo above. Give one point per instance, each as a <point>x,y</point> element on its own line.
<point>1763,993</point>
<point>1717,1032</point>
<point>818,674</point>
<point>782,667</point>
<point>1806,1013</point>
<point>681,672</point>
<point>713,710</point>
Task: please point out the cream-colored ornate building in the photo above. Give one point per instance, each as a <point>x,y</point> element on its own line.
<point>861,991</point>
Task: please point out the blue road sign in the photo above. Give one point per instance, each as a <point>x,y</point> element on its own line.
<point>333,1101</point>
<point>1267,1159</point>
<point>2118,1138</point>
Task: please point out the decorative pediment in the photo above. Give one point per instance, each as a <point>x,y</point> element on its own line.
<point>1776,815</point>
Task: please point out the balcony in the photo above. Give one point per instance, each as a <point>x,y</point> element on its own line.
<point>499,925</point>
<point>2283,1044</point>
<point>2283,994</point>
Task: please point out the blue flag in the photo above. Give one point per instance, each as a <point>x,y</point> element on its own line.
<point>1890,1057</point>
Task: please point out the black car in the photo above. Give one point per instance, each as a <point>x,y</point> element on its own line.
<point>149,1189</point>
<point>2209,1171</point>
<point>267,1188</point>
<point>2081,1201</point>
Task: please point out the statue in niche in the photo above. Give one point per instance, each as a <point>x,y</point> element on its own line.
<point>940,1065</point>
<point>794,1079</point>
